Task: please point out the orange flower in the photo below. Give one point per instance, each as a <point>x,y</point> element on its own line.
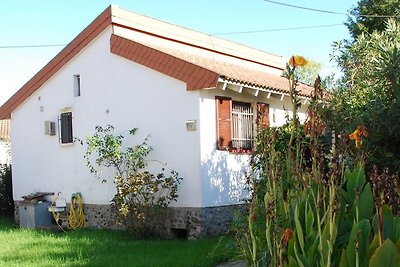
<point>286,236</point>
<point>358,134</point>
<point>297,61</point>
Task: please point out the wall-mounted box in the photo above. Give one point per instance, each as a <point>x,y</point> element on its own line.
<point>191,125</point>
<point>49,128</point>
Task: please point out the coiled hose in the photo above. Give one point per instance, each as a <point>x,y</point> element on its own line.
<point>76,217</point>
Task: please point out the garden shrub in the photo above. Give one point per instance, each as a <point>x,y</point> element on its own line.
<point>6,194</point>
<point>141,198</point>
<point>369,95</point>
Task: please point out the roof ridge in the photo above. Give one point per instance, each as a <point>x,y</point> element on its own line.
<point>196,31</point>
<point>162,29</point>
<point>196,46</point>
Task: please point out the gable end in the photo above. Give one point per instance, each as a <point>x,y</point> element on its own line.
<point>59,61</point>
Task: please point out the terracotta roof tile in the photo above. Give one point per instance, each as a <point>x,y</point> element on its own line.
<point>259,77</point>
<point>164,63</point>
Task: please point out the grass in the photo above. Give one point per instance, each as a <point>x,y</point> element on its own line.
<point>90,247</point>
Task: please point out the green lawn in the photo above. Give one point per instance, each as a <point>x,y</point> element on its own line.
<point>89,247</point>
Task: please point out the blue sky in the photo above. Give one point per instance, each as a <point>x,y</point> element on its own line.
<point>37,22</point>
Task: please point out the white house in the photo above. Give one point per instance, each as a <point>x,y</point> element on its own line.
<point>198,97</point>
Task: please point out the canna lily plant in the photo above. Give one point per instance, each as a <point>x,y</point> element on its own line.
<point>290,73</point>
<point>295,61</point>
<point>308,208</point>
<point>358,134</point>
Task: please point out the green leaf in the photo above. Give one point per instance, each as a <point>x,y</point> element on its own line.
<point>373,246</point>
<point>360,176</point>
<point>292,262</point>
<point>299,230</point>
<point>355,181</point>
<point>387,222</point>
<point>350,249</point>
<point>375,223</point>
<point>291,245</point>
<point>386,255</point>
<point>366,204</point>
<point>343,260</point>
<point>301,260</point>
<point>398,246</point>
<point>303,206</point>
<point>396,229</point>
<point>309,223</point>
<point>345,196</point>
<point>312,252</point>
<point>363,241</point>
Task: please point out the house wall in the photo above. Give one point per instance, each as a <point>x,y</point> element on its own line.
<point>222,172</point>
<point>113,91</point>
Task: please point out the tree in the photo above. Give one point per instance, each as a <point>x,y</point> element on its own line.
<point>359,23</point>
<point>309,72</point>
<point>370,93</point>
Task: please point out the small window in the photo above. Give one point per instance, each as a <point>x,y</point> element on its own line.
<point>77,85</point>
<point>66,128</point>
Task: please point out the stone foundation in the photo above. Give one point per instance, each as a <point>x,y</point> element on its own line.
<point>100,216</point>
<point>203,222</point>
<point>195,222</point>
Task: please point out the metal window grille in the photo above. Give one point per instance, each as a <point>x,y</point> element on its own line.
<point>242,125</point>
<point>66,128</point>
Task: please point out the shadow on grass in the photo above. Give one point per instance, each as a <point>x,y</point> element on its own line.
<point>89,247</point>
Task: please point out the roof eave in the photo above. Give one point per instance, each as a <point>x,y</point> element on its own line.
<point>256,88</point>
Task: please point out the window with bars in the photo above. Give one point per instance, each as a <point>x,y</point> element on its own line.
<point>237,123</point>
<point>65,122</point>
<point>242,125</point>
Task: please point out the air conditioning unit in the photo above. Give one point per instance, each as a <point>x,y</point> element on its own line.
<point>49,128</point>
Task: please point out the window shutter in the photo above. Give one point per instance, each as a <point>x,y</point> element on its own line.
<point>262,115</point>
<point>66,127</point>
<point>224,122</point>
